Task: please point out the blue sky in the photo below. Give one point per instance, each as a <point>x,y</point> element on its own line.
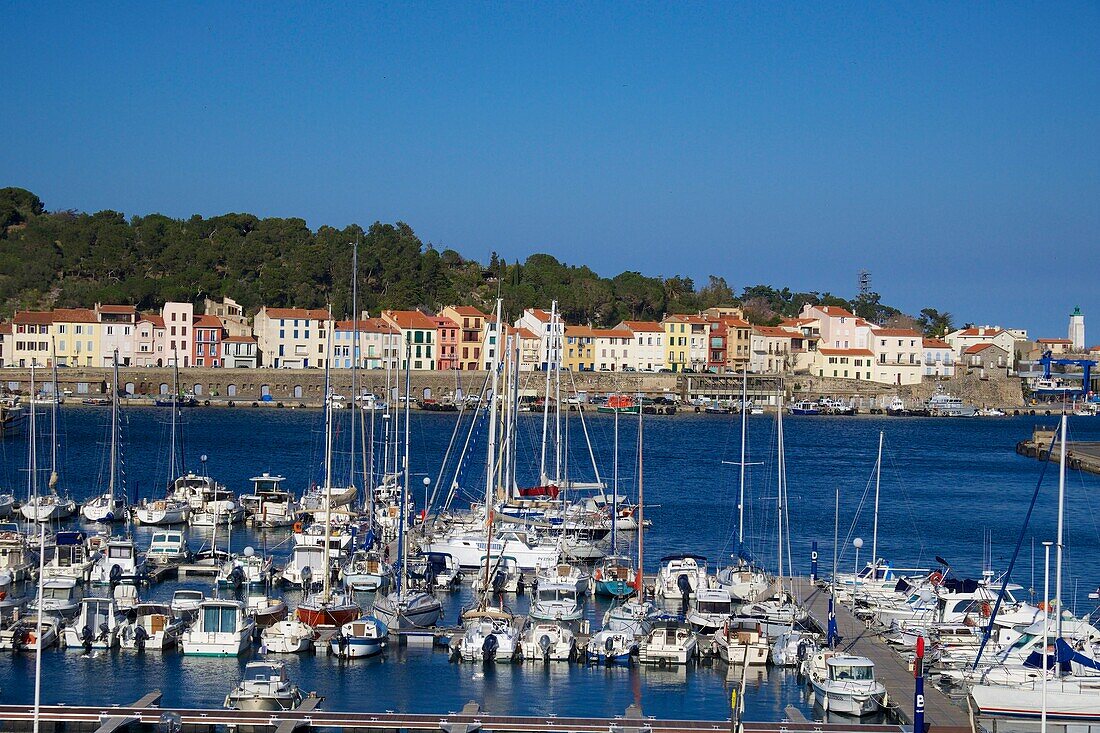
<point>953,149</point>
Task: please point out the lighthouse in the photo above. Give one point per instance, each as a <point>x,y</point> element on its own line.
<point>1077,330</point>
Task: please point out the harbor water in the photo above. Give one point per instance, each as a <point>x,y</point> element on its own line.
<point>949,487</point>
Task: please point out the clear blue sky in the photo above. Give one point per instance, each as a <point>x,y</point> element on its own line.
<point>953,149</point>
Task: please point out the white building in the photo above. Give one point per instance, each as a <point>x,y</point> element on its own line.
<point>379,344</point>
<point>551,338</point>
<point>239,352</point>
<point>839,329</point>
<point>963,338</point>
<point>293,338</point>
<point>939,358</point>
<point>647,353</point>
<point>1077,330</point>
<point>898,354</point>
<point>772,349</point>
<point>118,331</point>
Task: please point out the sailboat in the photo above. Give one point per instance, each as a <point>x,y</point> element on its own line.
<point>109,506</point>
<point>169,510</point>
<point>405,607</point>
<point>615,575</point>
<point>51,506</point>
<point>328,607</point>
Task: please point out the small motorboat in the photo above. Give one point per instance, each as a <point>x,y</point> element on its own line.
<point>117,560</point>
<point>363,637</point>
<point>711,609</point>
<point>439,568</point>
<point>549,642</point>
<point>634,618</point>
<point>248,569</point>
<point>609,647</point>
<point>556,603</point>
<point>186,603</point>
<point>167,547</point>
<point>615,577</point>
<point>265,686</point>
<point>846,684</point>
<point>150,626</point>
<point>267,611</point>
<point>365,572</point>
<point>503,573</point>
<point>59,597</point>
<point>564,575</point>
<point>287,637</point>
<point>95,626</point>
<point>680,576</point>
<point>671,642</point>
<point>222,628</point>
<point>24,636</point>
<point>793,647</point>
<point>742,644</point>
<point>490,636</point>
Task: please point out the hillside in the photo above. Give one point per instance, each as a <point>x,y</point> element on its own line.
<point>68,259</point>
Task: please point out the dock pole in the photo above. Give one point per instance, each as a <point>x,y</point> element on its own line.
<point>918,691</point>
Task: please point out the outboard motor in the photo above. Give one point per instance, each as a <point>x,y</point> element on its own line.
<point>521,584</point>
<point>140,637</point>
<point>684,585</point>
<point>131,616</point>
<point>86,638</point>
<point>609,650</point>
<point>104,629</point>
<point>489,647</point>
<point>802,651</point>
<point>342,644</point>
<point>544,644</point>
<point>236,577</point>
<point>307,576</point>
<point>115,575</point>
<point>499,580</point>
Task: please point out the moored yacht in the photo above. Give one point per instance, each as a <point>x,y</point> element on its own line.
<point>846,684</point>
<point>265,686</point>
<point>221,628</point>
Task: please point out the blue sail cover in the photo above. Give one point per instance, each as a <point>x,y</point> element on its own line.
<point>832,635</point>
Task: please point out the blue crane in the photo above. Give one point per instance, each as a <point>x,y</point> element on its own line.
<point>1086,365</point>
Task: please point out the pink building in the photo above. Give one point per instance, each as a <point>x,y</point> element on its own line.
<point>447,331</point>
<point>179,332</point>
<point>207,344</point>
<point>149,347</point>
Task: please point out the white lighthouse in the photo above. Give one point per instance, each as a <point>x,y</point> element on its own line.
<point>1077,330</point>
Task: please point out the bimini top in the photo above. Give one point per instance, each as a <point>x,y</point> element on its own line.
<point>683,556</point>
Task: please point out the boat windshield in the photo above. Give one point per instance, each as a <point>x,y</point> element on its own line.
<point>219,619</point>
<point>852,672</point>
<point>57,593</point>
<point>714,607</point>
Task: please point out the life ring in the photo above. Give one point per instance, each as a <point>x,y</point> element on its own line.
<point>936,578</point>
<point>987,610</point>
<point>297,527</point>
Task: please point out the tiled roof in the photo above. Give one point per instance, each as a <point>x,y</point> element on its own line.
<point>74,315</point>
<point>5,328</point>
<point>642,326</point>
<point>239,340</point>
<point>834,311</point>
<point>308,314</point>
<point>367,325</point>
<point>1053,341</point>
<point>778,332</point>
<point>153,318</point>
<point>981,331</point>
<point>206,322</point>
<point>935,344</point>
<point>539,314</point>
<point>33,317</point>
<point>978,348</point>
<point>467,310</point>
<point>407,320</point>
<point>443,322</point>
<point>846,352</point>
<point>684,318</point>
<point>525,333</point>
<point>895,332</point>
<point>117,309</point>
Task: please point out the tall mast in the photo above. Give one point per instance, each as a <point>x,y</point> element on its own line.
<point>779,500</point>
<point>328,460</point>
<point>1061,524</point>
<point>546,395</point>
<point>744,432</point>
<point>403,504</point>
<point>32,447</point>
<point>557,400</point>
<point>354,352</point>
<point>53,421</point>
<point>172,437</point>
<point>641,513</point>
<point>492,447</point>
<point>114,433</point>
<point>615,481</point>
<point>874,536</point>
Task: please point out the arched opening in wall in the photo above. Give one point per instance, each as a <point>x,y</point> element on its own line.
<point>197,390</point>
<point>163,388</point>
<point>160,362</point>
<point>265,390</point>
<point>427,393</point>
<point>298,391</point>
<point>231,390</point>
<point>129,388</point>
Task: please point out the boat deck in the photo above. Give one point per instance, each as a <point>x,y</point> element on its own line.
<point>890,668</point>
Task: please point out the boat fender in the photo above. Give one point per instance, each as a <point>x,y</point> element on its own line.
<point>306,574</point>
<point>206,403</point>
<point>342,644</point>
<point>229,404</point>
<point>825,702</point>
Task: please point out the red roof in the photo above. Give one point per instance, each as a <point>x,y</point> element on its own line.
<point>33,317</point>
<point>642,326</point>
<point>239,339</point>
<point>895,332</point>
<point>1054,341</point>
<point>978,348</point>
<point>467,310</point>
<point>797,321</point>
<point>153,318</point>
<point>778,332</point>
<point>539,314</point>
<point>74,315</point>
<point>935,344</point>
<point>206,322</point>
<point>525,333</point>
<point>367,325</point>
<point>834,311</point>
<point>308,314</point>
<point>5,328</point>
<point>443,322</point>
<point>685,318</point>
<point>846,352</point>
<point>406,320</point>
<point>117,309</point>
<point>984,331</point>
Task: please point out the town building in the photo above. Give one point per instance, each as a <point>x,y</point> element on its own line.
<point>963,338</point>
<point>648,349</point>
<point>837,327</point>
<point>686,339</point>
<point>31,333</point>
<point>1055,346</point>
<point>529,344</point>
<point>117,332</point>
<point>939,358</point>
<point>716,347</point>
<point>418,339</point>
<point>239,352</point>
<point>551,331</point>
<point>579,352</point>
<point>898,354</point>
<point>447,331</point>
<point>738,343</point>
<point>149,345</point>
<point>75,337</point>
<point>844,363</point>
<point>231,315</point>
<point>471,323</point>
<point>611,349</point>
<point>207,331</point>
<point>803,350</point>
<point>292,338</point>
<point>986,359</point>
<point>5,343</point>
<point>178,320</point>
<point>773,349</point>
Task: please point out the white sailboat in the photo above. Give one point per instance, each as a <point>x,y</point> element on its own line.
<point>169,510</point>
<point>51,506</point>
<point>110,506</point>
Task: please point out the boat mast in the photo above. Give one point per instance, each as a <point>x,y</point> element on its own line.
<point>354,353</point>
<point>615,482</point>
<point>741,467</point>
<point>557,399</point>
<point>641,513</point>
<point>114,434</point>
<point>546,396</point>
<point>874,536</point>
<point>328,462</point>
<point>1061,525</point>
<point>172,431</point>
<point>491,450</point>
<point>53,422</point>
<point>779,499</point>
<point>404,502</point>
<point>32,452</point>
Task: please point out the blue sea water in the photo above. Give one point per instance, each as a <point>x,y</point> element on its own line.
<point>953,488</point>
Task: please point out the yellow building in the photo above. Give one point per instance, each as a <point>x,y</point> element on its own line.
<point>685,342</point>
<point>76,333</point>
<point>580,352</point>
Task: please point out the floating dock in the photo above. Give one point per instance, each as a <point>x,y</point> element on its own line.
<point>890,668</point>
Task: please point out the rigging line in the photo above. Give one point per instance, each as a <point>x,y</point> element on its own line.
<point>907,499</point>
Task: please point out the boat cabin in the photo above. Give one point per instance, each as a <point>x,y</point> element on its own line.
<point>844,668</point>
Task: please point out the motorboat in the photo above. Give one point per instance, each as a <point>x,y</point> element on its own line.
<point>503,573</point>
<point>805,407</point>
<point>25,635</point>
<point>365,571</point>
<point>943,404</point>
<point>438,568</point>
<point>161,512</point>
<point>742,644</point>
<point>222,628</point>
<point>269,505</point>
<point>711,609</point>
<point>18,560</point>
<point>775,615</point>
<point>470,548</point>
<point>490,636</point>
<point>555,602</point>
<point>363,637</point>
<point>550,642</point>
<point>95,625</point>
<point>58,596</point>
<point>217,506</point>
<point>186,603</point>
<point>846,684</point>
<point>287,637</point>
<point>125,595</point>
<point>671,642</point>
<point>680,576</point>
<point>265,686</point>
<point>793,647</point>
<point>266,611</point>
<point>633,617</point>
<point>1069,698</point>
<point>166,547</point>
<point>117,560</point>
<point>150,626</point>
<point>565,575</point>
<point>742,581</point>
<point>306,566</point>
<point>897,407</point>
<point>408,609</point>
<point>248,569</point>
<point>609,647</point>
<point>71,557</point>
<point>615,577</point>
